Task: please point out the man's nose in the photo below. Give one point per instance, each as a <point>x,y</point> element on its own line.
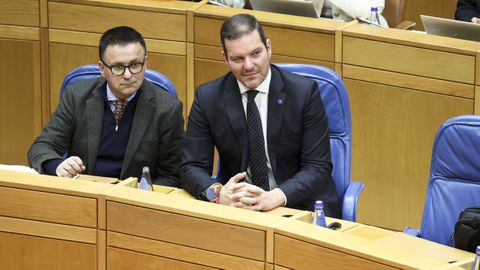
<point>248,64</point>
<point>127,74</point>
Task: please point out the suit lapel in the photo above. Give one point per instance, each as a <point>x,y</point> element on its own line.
<point>236,116</point>
<point>276,107</point>
<point>95,111</point>
<point>141,121</point>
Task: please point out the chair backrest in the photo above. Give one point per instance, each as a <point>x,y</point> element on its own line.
<point>393,12</point>
<point>335,98</point>
<point>454,177</point>
<point>92,71</point>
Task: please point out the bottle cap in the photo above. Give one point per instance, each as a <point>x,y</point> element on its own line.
<point>374,9</point>
<point>478,250</point>
<point>145,169</point>
<point>318,204</point>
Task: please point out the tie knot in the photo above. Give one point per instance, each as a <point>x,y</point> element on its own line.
<point>251,94</point>
<point>118,103</point>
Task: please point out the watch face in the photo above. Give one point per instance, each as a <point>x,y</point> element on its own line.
<point>211,193</point>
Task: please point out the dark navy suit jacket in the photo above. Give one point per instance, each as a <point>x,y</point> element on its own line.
<point>297,137</point>
<point>467,9</point>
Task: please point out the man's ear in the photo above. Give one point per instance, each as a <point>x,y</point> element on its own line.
<point>269,48</point>
<point>224,56</point>
<point>145,63</point>
<point>101,67</point>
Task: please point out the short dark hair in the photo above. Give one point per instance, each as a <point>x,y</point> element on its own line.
<point>238,26</point>
<point>121,35</point>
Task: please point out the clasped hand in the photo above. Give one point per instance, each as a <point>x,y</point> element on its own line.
<point>248,196</point>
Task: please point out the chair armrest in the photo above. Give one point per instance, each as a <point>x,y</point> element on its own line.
<point>350,200</point>
<point>413,232</point>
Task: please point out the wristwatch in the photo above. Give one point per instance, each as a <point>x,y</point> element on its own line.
<point>212,193</point>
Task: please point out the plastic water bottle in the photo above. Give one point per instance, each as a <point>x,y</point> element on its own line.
<point>145,181</point>
<point>374,17</point>
<point>476,263</point>
<point>319,216</point>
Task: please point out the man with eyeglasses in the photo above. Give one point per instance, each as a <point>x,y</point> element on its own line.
<point>115,124</point>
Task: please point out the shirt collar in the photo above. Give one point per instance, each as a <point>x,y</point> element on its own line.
<point>263,87</point>
<point>111,96</point>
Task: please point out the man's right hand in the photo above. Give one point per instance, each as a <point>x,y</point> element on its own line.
<point>70,167</point>
<point>229,188</point>
<point>476,20</point>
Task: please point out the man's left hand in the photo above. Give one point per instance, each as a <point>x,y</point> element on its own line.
<point>254,198</point>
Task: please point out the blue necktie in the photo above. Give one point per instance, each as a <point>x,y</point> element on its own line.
<point>257,158</point>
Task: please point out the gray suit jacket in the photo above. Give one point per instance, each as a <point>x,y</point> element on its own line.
<point>76,127</point>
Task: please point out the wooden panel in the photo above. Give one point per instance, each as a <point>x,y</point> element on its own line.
<point>392,135</point>
<point>63,59</point>
<point>477,100</point>
<point>20,12</point>
<point>19,32</point>
<point>285,41</point>
<point>409,60</point>
<point>206,70</point>
<point>184,230</point>
<point>22,252</point>
<point>408,81</point>
<point>415,8</point>
<point>118,259</point>
<point>20,99</point>
<point>295,254</point>
<point>156,25</point>
<point>58,231</point>
<point>49,207</point>
<point>181,253</point>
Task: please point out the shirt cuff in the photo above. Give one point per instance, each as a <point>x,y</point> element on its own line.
<point>50,166</point>
<point>283,197</point>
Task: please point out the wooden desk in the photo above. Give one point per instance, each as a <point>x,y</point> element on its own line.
<point>402,86</point>
<point>55,223</point>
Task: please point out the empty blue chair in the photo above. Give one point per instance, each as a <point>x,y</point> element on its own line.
<point>454,182</point>
<point>92,71</point>
<point>335,98</point>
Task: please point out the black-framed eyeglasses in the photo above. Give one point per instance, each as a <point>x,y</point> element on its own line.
<point>118,70</point>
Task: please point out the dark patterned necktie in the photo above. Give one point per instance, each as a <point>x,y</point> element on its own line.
<point>257,158</point>
<point>120,106</point>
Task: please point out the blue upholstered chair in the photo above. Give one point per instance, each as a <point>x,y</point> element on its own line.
<point>335,98</point>
<point>454,178</point>
<point>92,71</point>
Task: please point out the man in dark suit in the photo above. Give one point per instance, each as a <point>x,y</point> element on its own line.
<point>268,125</point>
<point>115,124</point>
<point>468,11</point>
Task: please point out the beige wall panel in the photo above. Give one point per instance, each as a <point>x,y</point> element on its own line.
<point>301,43</point>
<point>49,230</point>
<point>21,252</point>
<point>285,41</point>
<point>118,259</point>
<point>477,100</point>
<point>296,254</point>
<point>20,99</point>
<point>392,135</point>
<point>184,230</point>
<point>207,31</point>
<point>19,32</point>
<point>206,70</point>
<point>175,68</point>
<point>20,12</point>
<point>63,59</point>
<point>51,207</point>
<point>182,253</point>
<point>416,61</point>
<point>408,81</point>
<point>286,59</point>
<point>415,8</point>
<point>155,25</point>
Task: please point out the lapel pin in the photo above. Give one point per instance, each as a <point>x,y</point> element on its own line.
<point>279,102</point>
